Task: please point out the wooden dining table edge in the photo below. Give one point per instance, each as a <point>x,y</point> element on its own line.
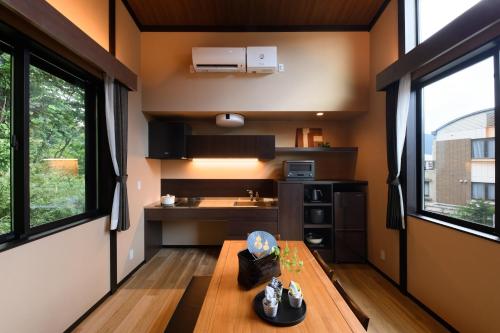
<point>340,303</point>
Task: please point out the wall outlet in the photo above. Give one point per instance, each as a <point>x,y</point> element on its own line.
<point>131,254</point>
<point>281,67</point>
<point>139,185</point>
<point>382,255</point>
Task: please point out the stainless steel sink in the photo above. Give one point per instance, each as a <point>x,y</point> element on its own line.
<point>248,203</point>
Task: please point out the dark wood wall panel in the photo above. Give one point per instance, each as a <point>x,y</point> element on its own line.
<point>217,187</point>
<point>252,14</point>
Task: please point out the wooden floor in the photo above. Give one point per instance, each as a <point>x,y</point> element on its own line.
<point>148,299</point>
<point>388,309</point>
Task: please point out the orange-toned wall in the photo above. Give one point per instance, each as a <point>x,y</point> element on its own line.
<point>456,275</point>
<point>368,133</point>
<point>89,15</point>
<point>324,71</point>
<point>140,170</point>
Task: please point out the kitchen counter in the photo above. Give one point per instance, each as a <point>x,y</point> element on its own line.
<point>215,202</point>
<point>233,217</point>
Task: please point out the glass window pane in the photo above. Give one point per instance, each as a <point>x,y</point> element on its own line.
<point>491,148</point>
<point>458,115</point>
<point>57,148</point>
<point>5,152</point>
<point>434,15</point>
<point>491,192</point>
<point>478,149</point>
<point>477,191</point>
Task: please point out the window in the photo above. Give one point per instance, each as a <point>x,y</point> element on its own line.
<point>5,150</point>
<point>457,111</point>
<point>483,191</point>
<point>56,147</point>
<point>434,15</point>
<point>48,140</point>
<point>483,148</point>
<point>427,189</point>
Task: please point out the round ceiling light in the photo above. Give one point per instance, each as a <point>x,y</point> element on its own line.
<point>229,120</point>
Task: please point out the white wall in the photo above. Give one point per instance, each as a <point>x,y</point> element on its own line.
<point>46,285</point>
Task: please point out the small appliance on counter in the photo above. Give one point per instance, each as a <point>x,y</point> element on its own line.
<point>299,170</point>
<point>168,200</point>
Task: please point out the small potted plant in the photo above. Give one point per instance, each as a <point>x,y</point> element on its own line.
<point>291,261</point>
<point>295,295</point>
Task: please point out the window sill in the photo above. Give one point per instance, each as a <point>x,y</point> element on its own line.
<point>10,244</point>
<point>466,230</point>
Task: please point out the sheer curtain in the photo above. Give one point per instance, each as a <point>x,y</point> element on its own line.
<point>398,107</point>
<point>116,108</point>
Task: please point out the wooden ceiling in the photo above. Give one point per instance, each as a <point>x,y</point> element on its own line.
<point>255,15</point>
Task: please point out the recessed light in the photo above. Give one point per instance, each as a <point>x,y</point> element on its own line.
<point>319,114</point>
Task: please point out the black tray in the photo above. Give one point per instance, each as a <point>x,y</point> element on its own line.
<point>287,316</point>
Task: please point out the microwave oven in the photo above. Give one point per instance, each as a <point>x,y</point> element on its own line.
<point>299,170</point>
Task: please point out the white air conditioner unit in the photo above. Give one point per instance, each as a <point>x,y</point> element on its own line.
<point>262,59</point>
<point>219,59</point>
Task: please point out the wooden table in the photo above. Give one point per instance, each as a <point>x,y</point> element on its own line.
<point>228,308</point>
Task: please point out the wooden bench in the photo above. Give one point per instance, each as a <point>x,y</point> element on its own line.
<point>187,311</point>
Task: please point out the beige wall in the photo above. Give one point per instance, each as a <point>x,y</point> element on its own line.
<point>89,15</point>
<point>456,275</point>
<point>337,166</point>
<point>55,280</point>
<point>46,285</point>
<point>368,133</point>
<point>147,172</point>
<point>324,71</point>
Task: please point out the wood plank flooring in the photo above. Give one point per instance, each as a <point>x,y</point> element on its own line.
<point>388,309</point>
<point>148,299</point>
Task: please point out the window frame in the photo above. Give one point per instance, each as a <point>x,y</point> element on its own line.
<point>26,52</point>
<point>417,86</point>
<point>486,149</point>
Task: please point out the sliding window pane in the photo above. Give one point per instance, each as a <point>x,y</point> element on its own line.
<point>57,148</point>
<point>5,151</point>
<point>459,141</point>
<point>434,15</point>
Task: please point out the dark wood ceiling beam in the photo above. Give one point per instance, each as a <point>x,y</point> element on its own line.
<point>57,27</point>
<point>460,37</point>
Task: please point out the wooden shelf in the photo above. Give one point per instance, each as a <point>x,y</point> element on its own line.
<point>321,150</point>
<point>317,226</point>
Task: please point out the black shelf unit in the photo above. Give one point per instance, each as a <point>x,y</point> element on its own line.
<point>323,207</point>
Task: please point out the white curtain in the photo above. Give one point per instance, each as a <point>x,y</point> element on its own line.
<point>403,108</point>
<point>109,92</point>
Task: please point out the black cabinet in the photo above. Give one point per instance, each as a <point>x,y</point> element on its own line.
<point>350,227</point>
<point>167,140</point>
<point>291,205</point>
<point>227,146</point>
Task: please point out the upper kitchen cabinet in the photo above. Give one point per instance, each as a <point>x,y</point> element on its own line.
<point>167,140</point>
<point>231,146</point>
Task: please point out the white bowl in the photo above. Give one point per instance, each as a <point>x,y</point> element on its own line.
<point>313,240</point>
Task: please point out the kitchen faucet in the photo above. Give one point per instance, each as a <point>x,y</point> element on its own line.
<point>252,197</point>
<point>250,193</point>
